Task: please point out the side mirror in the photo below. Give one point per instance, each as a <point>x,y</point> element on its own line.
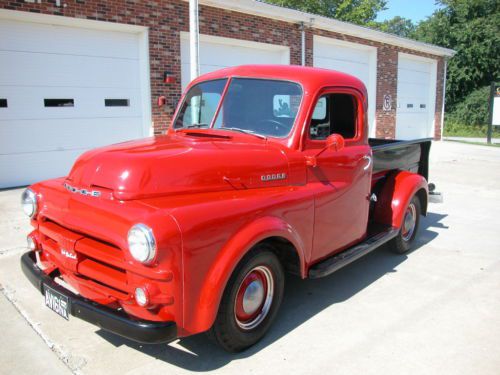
<point>334,142</point>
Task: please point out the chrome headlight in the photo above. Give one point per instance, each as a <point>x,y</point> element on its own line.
<point>29,202</point>
<point>142,243</point>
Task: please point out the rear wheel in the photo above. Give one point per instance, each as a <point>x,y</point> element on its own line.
<point>409,228</point>
<point>250,302</point>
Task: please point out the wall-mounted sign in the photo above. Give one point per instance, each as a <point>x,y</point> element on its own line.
<point>387,106</point>
<point>495,118</point>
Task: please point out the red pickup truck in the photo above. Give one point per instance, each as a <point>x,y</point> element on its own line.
<point>264,170</point>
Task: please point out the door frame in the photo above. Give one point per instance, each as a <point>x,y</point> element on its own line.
<point>311,144</point>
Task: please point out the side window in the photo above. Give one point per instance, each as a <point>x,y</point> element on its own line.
<point>334,113</point>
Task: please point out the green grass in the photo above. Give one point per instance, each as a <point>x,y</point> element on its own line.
<point>474,143</point>
<point>452,129</point>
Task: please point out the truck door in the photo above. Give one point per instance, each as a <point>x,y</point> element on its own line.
<point>341,179</point>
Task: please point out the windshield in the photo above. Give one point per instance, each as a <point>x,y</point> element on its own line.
<point>200,104</point>
<point>260,106</point>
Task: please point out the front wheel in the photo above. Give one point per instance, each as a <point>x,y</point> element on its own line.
<point>250,302</point>
<point>406,236</point>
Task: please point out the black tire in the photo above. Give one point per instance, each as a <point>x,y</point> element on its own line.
<point>404,240</point>
<point>226,330</point>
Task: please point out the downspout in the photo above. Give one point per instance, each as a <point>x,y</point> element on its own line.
<point>302,28</point>
<point>194,58</point>
<point>444,96</point>
<point>303,48</point>
<point>194,42</point>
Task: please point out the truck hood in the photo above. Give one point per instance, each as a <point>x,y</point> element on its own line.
<point>185,162</point>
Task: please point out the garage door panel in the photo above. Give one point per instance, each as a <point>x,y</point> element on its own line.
<point>414,65</point>
<point>39,38</point>
<point>348,54</point>
<point>28,102</point>
<point>214,54</point>
<point>415,77</point>
<point>217,53</point>
<point>360,70</point>
<point>413,89</point>
<point>67,70</point>
<point>186,72</point>
<point>412,128</point>
<point>38,62</point>
<point>23,169</point>
<point>416,98</point>
<point>25,136</point>
<point>350,58</point>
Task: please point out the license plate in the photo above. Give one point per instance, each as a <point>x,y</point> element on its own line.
<point>57,302</point>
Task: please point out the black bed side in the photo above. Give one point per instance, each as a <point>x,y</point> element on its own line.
<point>390,154</point>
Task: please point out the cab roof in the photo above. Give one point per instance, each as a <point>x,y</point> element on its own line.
<point>309,78</point>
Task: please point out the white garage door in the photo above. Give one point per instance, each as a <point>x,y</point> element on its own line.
<point>218,52</point>
<point>354,59</point>
<point>64,90</point>
<point>416,97</point>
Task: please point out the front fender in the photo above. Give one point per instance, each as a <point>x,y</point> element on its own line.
<point>395,196</point>
<point>227,260</point>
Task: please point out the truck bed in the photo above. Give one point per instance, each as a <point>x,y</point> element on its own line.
<point>390,154</point>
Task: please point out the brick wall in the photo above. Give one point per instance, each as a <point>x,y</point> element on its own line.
<point>166,19</point>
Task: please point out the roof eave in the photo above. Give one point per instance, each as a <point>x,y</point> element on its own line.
<point>262,9</point>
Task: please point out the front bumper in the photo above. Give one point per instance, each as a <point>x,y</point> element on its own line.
<point>114,321</point>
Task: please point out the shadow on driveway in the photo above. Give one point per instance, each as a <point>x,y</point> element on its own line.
<point>303,300</point>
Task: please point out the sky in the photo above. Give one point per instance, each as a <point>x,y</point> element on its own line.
<point>416,10</point>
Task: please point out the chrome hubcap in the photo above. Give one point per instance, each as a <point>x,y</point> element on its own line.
<point>254,298</point>
<point>409,222</point>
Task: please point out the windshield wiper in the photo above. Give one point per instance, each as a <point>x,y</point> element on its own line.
<point>200,125</point>
<point>246,131</point>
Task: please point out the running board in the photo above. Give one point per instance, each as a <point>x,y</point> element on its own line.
<point>337,261</point>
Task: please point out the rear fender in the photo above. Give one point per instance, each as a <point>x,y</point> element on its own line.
<point>205,311</point>
<point>395,196</point>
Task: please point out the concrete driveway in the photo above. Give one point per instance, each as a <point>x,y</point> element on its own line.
<point>435,310</point>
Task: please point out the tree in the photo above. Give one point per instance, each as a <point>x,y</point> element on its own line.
<point>360,12</point>
<point>473,109</point>
<point>471,27</point>
<point>398,25</point>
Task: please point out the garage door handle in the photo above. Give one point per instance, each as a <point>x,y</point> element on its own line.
<point>369,160</point>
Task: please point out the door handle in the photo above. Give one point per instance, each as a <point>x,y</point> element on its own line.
<point>368,165</point>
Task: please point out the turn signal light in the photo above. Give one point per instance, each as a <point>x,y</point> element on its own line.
<point>141,297</point>
<point>31,243</point>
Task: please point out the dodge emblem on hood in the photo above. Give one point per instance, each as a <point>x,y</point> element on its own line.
<point>91,193</point>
